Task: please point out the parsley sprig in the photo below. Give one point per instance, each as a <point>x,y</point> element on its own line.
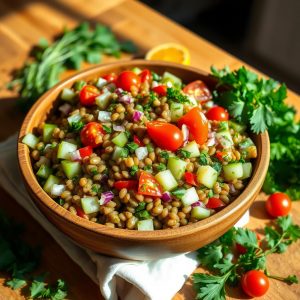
<point>218,257</point>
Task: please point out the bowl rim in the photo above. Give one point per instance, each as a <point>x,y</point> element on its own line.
<point>163,234</point>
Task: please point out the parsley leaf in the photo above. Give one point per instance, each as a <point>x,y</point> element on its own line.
<point>161,167</point>
<point>184,153</point>
<point>164,154</point>
<point>76,126</point>
<point>204,158</point>
<point>176,95</point>
<point>133,170</point>
<point>107,129</point>
<point>132,147</point>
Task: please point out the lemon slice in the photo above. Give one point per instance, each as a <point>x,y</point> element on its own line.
<point>170,52</point>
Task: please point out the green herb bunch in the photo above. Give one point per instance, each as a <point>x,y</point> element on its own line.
<point>219,257</point>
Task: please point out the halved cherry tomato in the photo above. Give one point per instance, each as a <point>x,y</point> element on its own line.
<point>165,135</point>
<point>91,134</point>
<point>278,204</point>
<point>199,90</point>
<point>85,151</point>
<point>112,77</point>
<point>255,283</point>
<point>214,203</point>
<point>219,155</point>
<point>217,113</point>
<point>80,213</point>
<point>148,185</point>
<point>161,90</point>
<point>88,94</point>
<point>190,178</point>
<point>197,124</point>
<point>127,184</point>
<point>242,250</point>
<point>127,80</point>
<point>137,141</point>
<point>145,75</point>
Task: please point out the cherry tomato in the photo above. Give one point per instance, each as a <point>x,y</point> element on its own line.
<point>190,178</point>
<point>199,90</point>
<point>242,250</point>
<point>137,141</point>
<point>278,204</point>
<point>127,80</point>
<point>217,113</point>
<point>85,151</point>
<point>197,124</point>
<point>148,185</point>
<point>112,77</point>
<point>127,184</point>
<point>80,213</point>
<point>145,75</point>
<point>220,155</point>
<point>165,135</point>
<point>255,283</point>
<point>91,134</point>
<point>88,94</point>
<point>161,90</point>
<point>214,203</point>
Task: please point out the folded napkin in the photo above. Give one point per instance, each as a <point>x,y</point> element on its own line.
<point>130,280</point>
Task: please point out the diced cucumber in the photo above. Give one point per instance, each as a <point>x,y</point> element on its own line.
<point>176,111</point>
<point>145,225</point>
<point>67,94</point>
<point>49,183</point>
<point>71,168</point>
<point>233,171</point>
<point>166,180</point>
<point>176,166</point>
<point>171,79</point>
<point>44,171</point>
<point>240,128</point>
<point>246,144</point>
<point>224,138</point>
<point>117,153</point>
<point>223,126</point>
<point>74,118</point>
<point>78,85</point>
<point>101,82</point>
<point>200,213</point>
<point>47,132</point>
<point>90,205</point>
<point>120,140</point>
<point>247,170</point>
<point>103,100</point>
<point>64,150</point>
<point>30,140</point>
<point>190,197</point>
<point>207,176</point>
<point>193,148</point>
<point>136,70</point>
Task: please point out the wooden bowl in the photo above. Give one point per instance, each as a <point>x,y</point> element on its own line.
<point>133,244</point>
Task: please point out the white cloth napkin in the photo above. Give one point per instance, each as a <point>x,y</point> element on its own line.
<point>130,280</point>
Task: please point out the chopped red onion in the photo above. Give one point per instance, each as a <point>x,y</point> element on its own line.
<point>137,115</point>
<point>65,108</point>
<point>119,91</point>
<point>166,197</point>
<point>75,155</point>
<point>198,203</point>
<point>104,179</point>
<point>211,142</point>
<point>120,128</point>
<point>185,133</point>
<point>106,197</point>
<point>111,87</point>
<point>57,189</point>
<point>104,116</point>
<point>127,99</point>
<point>232,188</point>
<point>141,152</point>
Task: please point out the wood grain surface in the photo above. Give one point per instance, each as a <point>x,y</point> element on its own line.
<point>22,23</point>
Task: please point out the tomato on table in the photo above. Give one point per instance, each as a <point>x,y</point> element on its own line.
<point>199,90</point>
<point>85,151</point>
<point>127,184</point>
<point>278,204</point>
<point>190,178</point>
<point>145,75</point>
<point>197,124</point>
<point>217,113</point>
<point>165,135</point>
<point>161,90</point>
<point>214,203</point>
<point>91,134</point>
<point>128,79</point>
<point>88,94</point>
<point>255,283</point>
<point>112,77</point>
<point>148,185</point>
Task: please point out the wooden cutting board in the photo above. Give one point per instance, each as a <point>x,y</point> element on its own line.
<point>22,23</point>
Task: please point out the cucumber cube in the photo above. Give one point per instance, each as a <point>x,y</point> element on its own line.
<point>136,70</point>
<point>190,197</point>
<point>145,225</point>
<point>247,170</point>
<point>246,144</point>
<point>120,140</point>
<point>49,183</point>
<point>44,171</point>
<point>224,138</point>
<point>103,100</point>
<point>71,168</point>
<point>101,82</point>
<point>47,132</point>
<point>176,166</point>
<point>172,80</point>
<point>200,213</point>
<point>193,148</point>
<point>30,140</point>
<point>67,94</point>
<point>64,150</point>
<point>233,171</point>
<point>74,118</point>
<point>166,180</point>
<point>207,176</point>
<point>90,205</point>
<point>237,127</point>
<point>176,111</point>
<point>117,153</point>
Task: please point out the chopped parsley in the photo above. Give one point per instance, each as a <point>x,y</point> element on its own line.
<point>76,126</point>
<point>124,152</point>
<point>150,147</point>
<point>96,188</point>
<point>132,147</point>
<point>176,95</point>
<point>107,129</point>
<point>178,192</point>
<point>204,158</point>
<point>164,154</point>
<point>161,167</point>
<point>217,166</point>
<point>148,169</point>
<point>184,153</point>
<point>94,171</point>
<point>133,170</point>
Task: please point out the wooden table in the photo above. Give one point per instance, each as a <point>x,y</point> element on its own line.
<point>22,23</point>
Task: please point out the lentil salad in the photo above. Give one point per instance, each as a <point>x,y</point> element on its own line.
<point>139,150</point>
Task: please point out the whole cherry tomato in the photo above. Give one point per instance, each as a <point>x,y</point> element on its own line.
<point>112,77</point>
<point>197,124</point>
<point>278,204</point>
<point>161,90</point>
<point>255,283</point>
<point>127,80</point>
<point>91,134</point>
<point>148,185</point>
<point>145,75</point>
<point>88,94</point>
<point>217,113</point>
<point>199,90</point>
<point>165,135</point>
